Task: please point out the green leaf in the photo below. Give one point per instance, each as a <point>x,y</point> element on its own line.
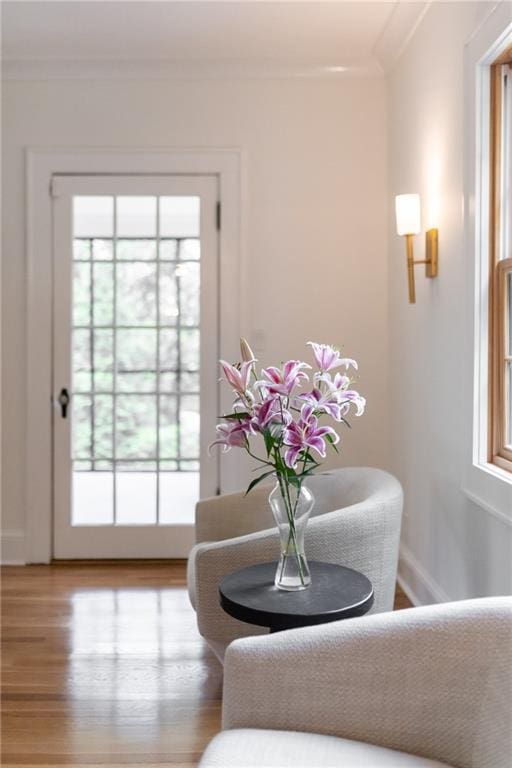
<point>236,415</point>
<point>281,468</point>
<point>269,441</point>
<point>290,474</point>
<point>330,440</point>
<point>257,480</point>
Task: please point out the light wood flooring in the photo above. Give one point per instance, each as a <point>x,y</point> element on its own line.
<point>102,665</point>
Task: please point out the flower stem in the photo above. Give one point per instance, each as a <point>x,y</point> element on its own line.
<point>263,461</point>
<point>285,494</point>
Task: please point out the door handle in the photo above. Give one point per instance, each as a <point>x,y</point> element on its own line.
<point>63,400</point>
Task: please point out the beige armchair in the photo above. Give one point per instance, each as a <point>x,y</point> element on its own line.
<point>422,687</point>
<point>356,522</point>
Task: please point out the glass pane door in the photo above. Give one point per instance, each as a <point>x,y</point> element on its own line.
<point>136,288</point>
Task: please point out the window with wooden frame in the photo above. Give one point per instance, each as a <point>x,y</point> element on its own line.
<point>500,250</point>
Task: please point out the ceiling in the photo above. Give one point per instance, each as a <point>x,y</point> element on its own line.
<point>318,35</point>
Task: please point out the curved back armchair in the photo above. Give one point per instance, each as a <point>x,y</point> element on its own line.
<point>424,687</point>
<point>356,522</point>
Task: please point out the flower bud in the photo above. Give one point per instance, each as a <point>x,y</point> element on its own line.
<point>246,351</point>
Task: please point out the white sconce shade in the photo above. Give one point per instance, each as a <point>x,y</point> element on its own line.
<point>408,224</point>
<point>408,219</point>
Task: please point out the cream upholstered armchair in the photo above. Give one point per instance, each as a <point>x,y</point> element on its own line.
<point>356,522</point>
<point>417,688</point>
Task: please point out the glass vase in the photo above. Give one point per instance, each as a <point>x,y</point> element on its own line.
<point>291,508</point>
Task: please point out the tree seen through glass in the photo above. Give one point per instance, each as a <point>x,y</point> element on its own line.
<point>135,353</point>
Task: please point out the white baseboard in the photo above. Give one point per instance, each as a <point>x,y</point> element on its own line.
<point>12,547</point>
<point>418,585</point>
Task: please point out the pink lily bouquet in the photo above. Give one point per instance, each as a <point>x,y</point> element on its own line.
<point>284,406</point>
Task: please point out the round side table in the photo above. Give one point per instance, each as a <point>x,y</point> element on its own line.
<point>335,593</point>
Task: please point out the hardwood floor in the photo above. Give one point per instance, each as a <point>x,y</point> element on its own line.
<point>102,665</point>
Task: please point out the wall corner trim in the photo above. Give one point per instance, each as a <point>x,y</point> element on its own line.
<point>12,545</point>
<point>419,586</point>
<point>398,32</point>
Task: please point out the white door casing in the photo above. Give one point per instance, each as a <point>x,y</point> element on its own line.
<point>42,165</point>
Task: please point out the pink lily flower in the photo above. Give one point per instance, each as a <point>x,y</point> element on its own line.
<point>232,434</point>
<point>325,402</point>
<point>336,384</point>
<point>304,434</point>
<point>327,357</point>
<point>345,396</point>
<point>238,378</point>
<point>282,382</point>
<point>268,412</point>
<point>351,396</point>
<point>334,398</point>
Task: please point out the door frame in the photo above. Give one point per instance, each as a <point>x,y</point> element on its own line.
<point>41,166</point>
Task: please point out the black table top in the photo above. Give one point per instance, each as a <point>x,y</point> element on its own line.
<point>335,593</point>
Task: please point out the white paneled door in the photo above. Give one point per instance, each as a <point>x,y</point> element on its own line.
<point>135,362</point>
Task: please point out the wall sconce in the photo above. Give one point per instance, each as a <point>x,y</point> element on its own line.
<point>408,224</point>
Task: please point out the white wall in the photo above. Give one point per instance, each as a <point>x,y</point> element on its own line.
<point>452,548</point>
<point>314,259</point>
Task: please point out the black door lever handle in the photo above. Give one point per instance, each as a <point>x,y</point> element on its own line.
<point>63,400</point>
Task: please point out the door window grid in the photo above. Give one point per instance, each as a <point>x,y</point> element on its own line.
<point>171,461</point>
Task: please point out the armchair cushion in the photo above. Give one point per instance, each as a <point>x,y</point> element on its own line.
<point>253,748</point>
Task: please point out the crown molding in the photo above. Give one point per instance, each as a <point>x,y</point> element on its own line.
<point>402,23</point>
<point>183,69</point>
<point>405,19</point>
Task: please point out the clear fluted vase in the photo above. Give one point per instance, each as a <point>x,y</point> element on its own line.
<point>291,507</point>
